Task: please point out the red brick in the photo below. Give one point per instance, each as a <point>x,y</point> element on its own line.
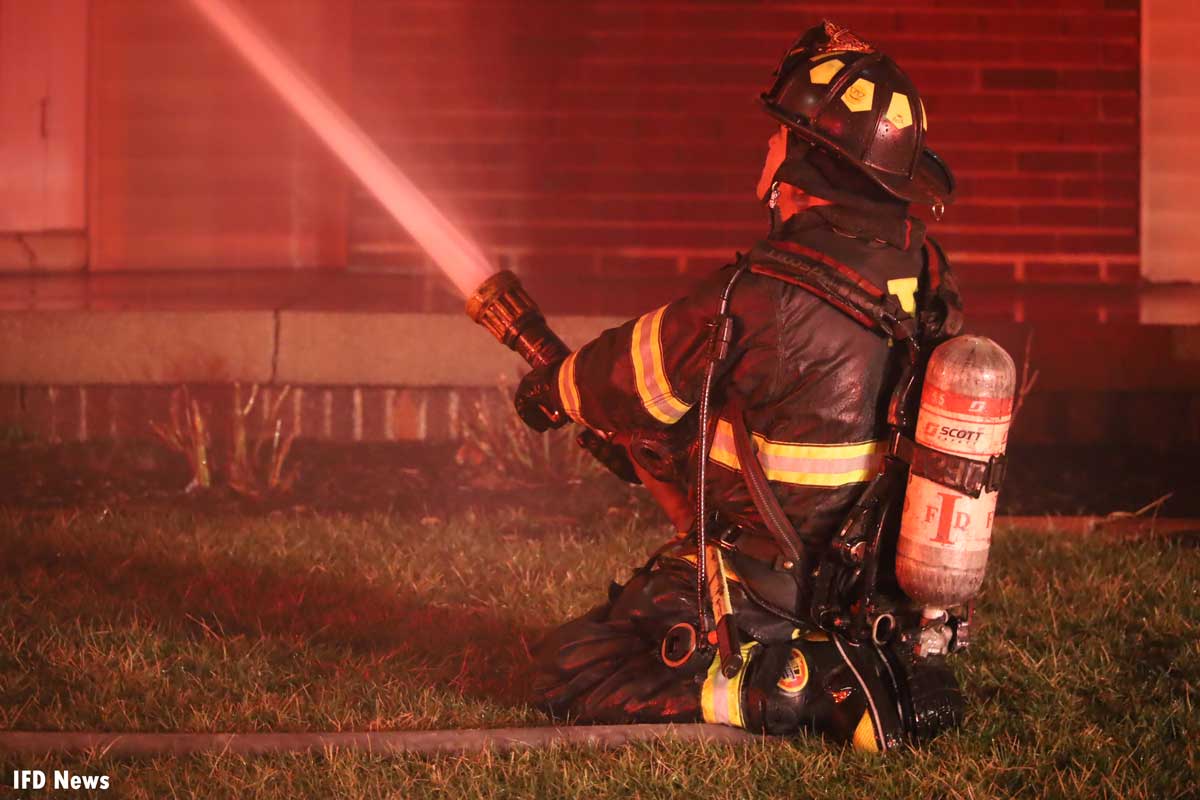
<point>963,214</point>
<point>1114,189</point>
<point>1058,161</point>
<point>1120,163</point>
<point>1014,134</point>
<point>1101,80</point>
<point>932,25</point>
<point>1124,273</point>
<point>582,234</point>
<point>1121,107</point>
<point>1124,244</point>
<point>1120,53</point>
<point>1035,187</point>
<point>1070,305</point>
<point>972,274</point>
<point>1064,215</point>
<point>408,414</point>
<point>1043,272</point>
<point>1119,216</point>
<point>620,265</point>
<point>1057,52</point>
<point>1010,240</point>
<point>1019,79</point>
<point>1035,107</point>
<point>973,51</point>
<point>1125,310</point>
<point>701,266</point>
<point>557,265</point>
<point>965,161</point>
<point>948,79</point>
<point>1101,25</point>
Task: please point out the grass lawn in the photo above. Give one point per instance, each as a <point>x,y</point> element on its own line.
<point>1084,680</point>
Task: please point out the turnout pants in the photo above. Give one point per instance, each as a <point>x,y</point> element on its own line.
<point>618,664</point>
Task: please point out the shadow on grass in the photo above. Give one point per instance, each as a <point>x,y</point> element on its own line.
<point>332,621</point>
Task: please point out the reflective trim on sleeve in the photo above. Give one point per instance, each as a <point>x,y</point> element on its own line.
<point>826,465</point>
<point>568,389</point>
<point>721,697</point>
<point>653,386</point>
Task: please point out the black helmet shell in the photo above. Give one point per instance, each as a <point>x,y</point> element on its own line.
<point>836,91</point>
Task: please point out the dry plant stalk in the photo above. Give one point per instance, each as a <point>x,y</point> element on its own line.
<point>187,434</point>
<point>498,443</point>
<point>1028,380</point>
<point>253,471</point>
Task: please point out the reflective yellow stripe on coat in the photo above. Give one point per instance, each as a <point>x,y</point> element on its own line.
<point>568,389</point>
<point>653,386</point>
<point>826,465</point>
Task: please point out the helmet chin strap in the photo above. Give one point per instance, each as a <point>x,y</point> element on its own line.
<point>772,203</point>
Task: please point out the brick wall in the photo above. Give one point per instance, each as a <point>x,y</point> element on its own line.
<point>193,163</point>
<point>599,137</point>
<point>623,137</point>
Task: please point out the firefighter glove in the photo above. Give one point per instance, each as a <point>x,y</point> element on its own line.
<point>537,400</point>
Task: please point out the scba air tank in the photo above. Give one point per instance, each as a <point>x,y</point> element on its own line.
<point>945,533</point>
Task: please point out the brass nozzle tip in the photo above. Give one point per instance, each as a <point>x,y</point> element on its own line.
<point>498,284</point>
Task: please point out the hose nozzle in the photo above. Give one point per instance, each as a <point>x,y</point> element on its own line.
<point>502,305</point>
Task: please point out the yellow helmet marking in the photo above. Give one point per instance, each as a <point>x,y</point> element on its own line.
<point>823,73</point>
<point>924,117</point>
<point>899,111</point>
<point>860,95</point>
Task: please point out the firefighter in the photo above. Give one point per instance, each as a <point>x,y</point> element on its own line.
<point>716,627</point>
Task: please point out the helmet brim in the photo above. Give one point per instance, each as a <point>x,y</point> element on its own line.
<point>932,182</point>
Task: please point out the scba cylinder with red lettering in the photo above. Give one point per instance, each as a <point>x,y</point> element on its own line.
<point>946,528</point>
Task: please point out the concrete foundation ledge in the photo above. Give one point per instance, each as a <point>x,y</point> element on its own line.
<point>411,350</point>
<point>130,347</point>
<point>349,348</point>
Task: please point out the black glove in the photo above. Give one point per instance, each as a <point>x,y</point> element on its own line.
<point>537,400</point>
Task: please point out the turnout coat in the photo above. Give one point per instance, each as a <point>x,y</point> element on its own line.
<point>814,382</point>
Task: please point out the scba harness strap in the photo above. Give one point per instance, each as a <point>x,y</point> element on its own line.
<point>939,317</point>
<point>835,283</point>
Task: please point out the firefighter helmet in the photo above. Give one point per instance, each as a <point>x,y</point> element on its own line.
<point>836,91</point>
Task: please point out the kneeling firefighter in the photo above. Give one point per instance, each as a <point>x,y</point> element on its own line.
<point>774,412</point>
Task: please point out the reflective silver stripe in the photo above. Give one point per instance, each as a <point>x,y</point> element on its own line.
<point>568,389</point>
<point>650,376</point>
<point>721,697</point>
<point>802,464</point>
